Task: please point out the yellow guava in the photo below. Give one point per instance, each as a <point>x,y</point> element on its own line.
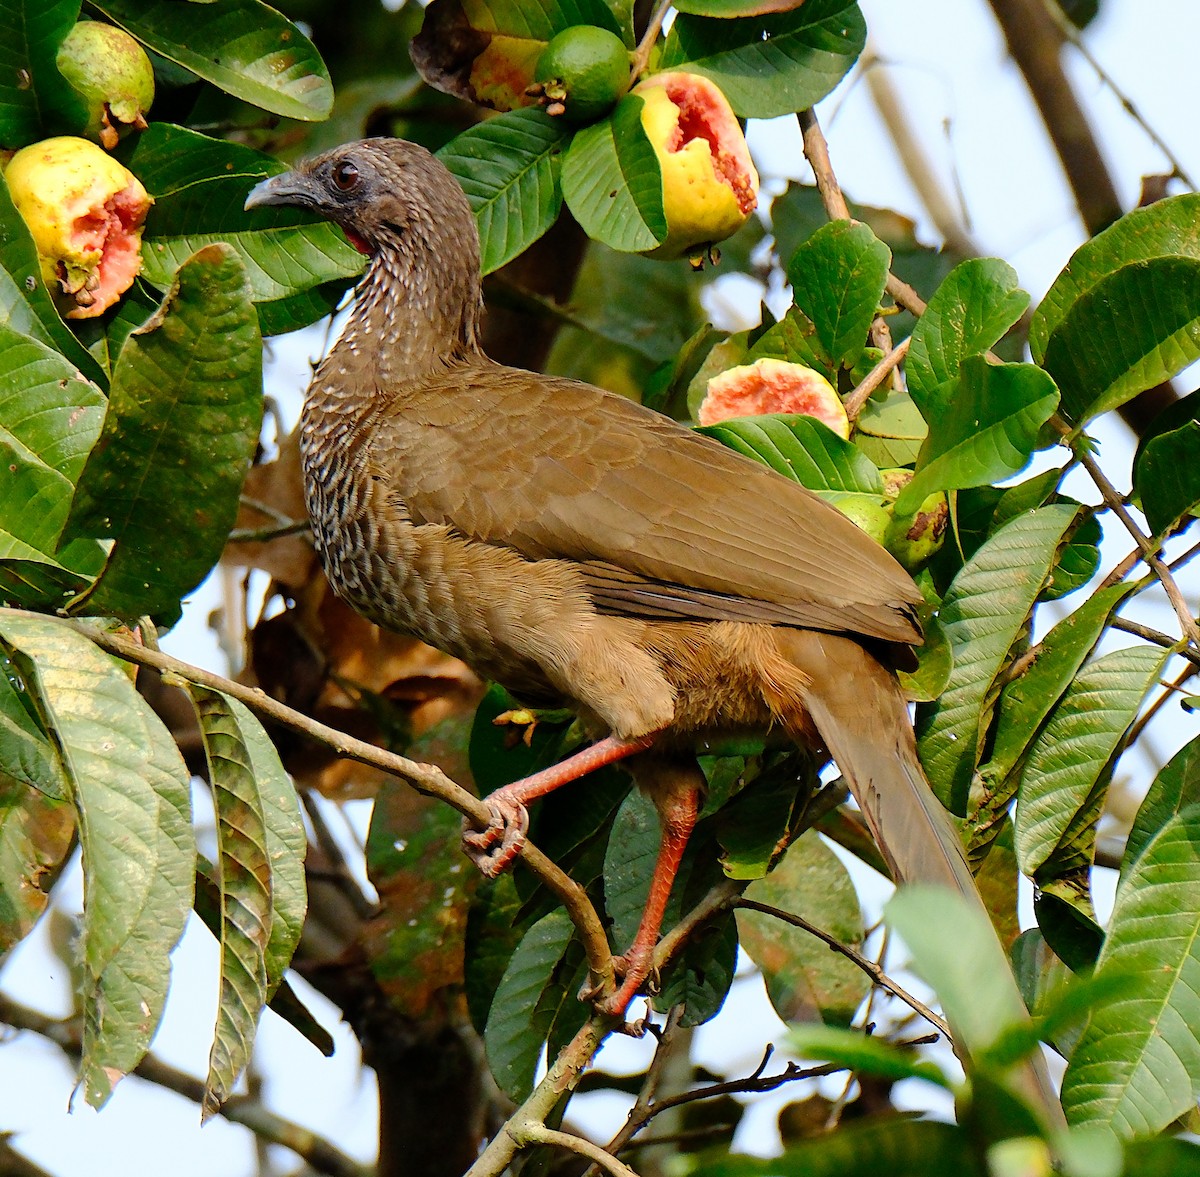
<point>85,212</point>
<point>709,183</point>
<point>773,386</point>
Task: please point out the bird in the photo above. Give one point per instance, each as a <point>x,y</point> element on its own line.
<point>578,547</point>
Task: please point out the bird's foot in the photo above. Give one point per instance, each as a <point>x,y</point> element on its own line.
<point>494,848</point>
<point>636,972</point>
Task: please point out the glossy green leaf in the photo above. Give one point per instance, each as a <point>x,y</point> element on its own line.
<point>955,950</point>
<point>1124,314</point>
<point>857,1051</point>
<point>131,793</point>
<point>734,9</point>
<point>1064,778</point>
<point>800,448</point>
<point>984,611</point>
<point>612,183</point>
<point>837,278</point>
<point>700,978</point>
<point>771,65</point>
<point>521,1017</point>
<point>245,876</point>
<point>26,306</point>
<point>895,1146</point>
<point>986,433</point>
<point>1176,786</point>
<point>1078,558</point>
<point>628,865</point>
<point>241,46</point>
<point>35,101</point>
<point>970,311</point>
<point>199,186</point>
<point>1167,476</point>
<point>1137,1065</point>
<point>509,167</point>
<point>895,417</point>
<point>182,425</point>
<point>795,339</point>
<point>935,661</point>
<point>492,934</point>
<point>28,757</point>
<point>49,418</point>
<point>36,835</point>
<point>805,981</point>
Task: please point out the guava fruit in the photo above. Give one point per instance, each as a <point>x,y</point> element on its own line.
<point>85,213</point>
<point>709,183</point>
<point>866,513</point>
<point>581,73</point>
<point>773,386</point>
<point>112,74</point>
<point>914,539</point>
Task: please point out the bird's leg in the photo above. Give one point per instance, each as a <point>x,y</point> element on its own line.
<point>677,796</point>
<point>494,848</point>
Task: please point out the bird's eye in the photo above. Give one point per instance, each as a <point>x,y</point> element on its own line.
<point>345,175</point>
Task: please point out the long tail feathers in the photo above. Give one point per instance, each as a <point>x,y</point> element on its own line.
<point>862,717</point>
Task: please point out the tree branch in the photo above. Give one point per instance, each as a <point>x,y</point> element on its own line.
<point>427,779</point>
<point>318,1152</point>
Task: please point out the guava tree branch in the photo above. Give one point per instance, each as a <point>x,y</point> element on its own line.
<point>319,1153</point>
<point>425,778</point>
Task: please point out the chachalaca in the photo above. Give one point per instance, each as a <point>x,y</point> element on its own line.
<point>576,546</point>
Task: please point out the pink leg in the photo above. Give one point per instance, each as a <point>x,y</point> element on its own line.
<point>494,848</point>
<point>678,811</point>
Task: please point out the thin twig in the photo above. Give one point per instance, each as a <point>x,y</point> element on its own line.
<point>427,779</point>
<point>1113,501</point>
<point>249,535</point>
<point>538,1133</point>
<point>318,1153</point>
<point>1170,691</point>
<point>645,47</point>
<point>868,966</point>
<point>874,378</point>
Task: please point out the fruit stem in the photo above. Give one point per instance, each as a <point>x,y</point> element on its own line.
<point>641,55</point>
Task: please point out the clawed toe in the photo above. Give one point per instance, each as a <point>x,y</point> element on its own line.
<point>494,848</point>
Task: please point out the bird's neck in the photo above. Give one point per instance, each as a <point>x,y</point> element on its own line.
<point>416,312</point>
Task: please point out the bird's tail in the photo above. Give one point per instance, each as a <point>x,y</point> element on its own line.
<point>860,713</point>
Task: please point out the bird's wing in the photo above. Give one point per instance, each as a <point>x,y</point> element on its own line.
<point>663,522</point>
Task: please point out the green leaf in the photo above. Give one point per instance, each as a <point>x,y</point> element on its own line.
<point>525,1005</point>
<point>182,425</point>
<point>612,183</point>
<point>733,9</point>
<point>49,418</point>
<point>132,797</point>
<point>26,306</point>
<point>978,301</point>
<point>1063,780</point>
<point>1027,700</point>
<point>1176,786</point>
<point>700,978</point>
<point>895,1146</point>
<point>955,950</point>
<point>199,187</point>
<point>895,417</point>
<point>36,835</point>
<point>509,166</point>
<point>1124,314</point>
<point>245,877</point>
<point>857,1051</point>
<point>28,757</point>
<point>800,448</point>
<point>35,101</point>
<point>241,46</point>
<point>633,846</point>
<point>1167,476</point>
<point>1137,1065</point>
<point>837,278</point>
<point>805,981</point>
<point>772,65</point>
<point>986,433</point>
<point>984,611</point>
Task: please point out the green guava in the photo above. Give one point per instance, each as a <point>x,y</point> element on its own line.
<point>112,74</point>
<point>581,73</point>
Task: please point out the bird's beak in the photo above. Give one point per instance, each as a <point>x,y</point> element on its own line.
<point>293,188</point>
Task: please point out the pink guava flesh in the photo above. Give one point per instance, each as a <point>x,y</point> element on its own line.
<point>111,229</point>
<point>703,115</point>
<point>773,386</point>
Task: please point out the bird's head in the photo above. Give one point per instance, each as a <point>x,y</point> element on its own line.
<point>382,193</point>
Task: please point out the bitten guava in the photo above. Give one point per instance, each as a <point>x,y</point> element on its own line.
<point>85,213</point>
<point>773,386</point>
<point>112,73</point>
<point>581,73</point>
<point>709,183</point>
<point>914,539</point>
